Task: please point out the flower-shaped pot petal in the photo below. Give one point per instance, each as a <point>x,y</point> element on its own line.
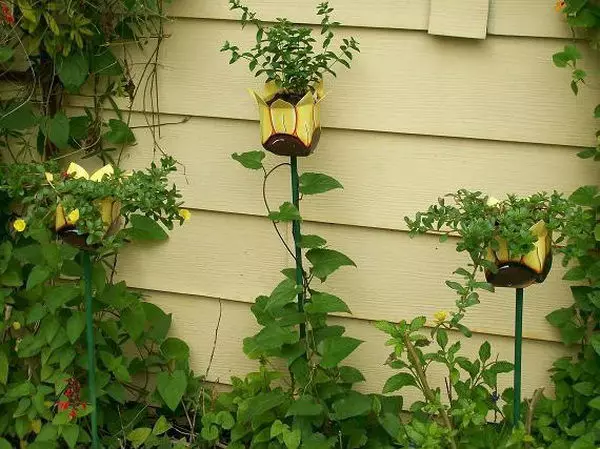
<point>521,272</point>
<point>289,127</point>
<point>108,208</point>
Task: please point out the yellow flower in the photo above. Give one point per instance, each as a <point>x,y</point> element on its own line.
<point>36,426</point>
<point>16,325</point>
<point>560,5</point>
<point>49,177</point>
<point>19,225</point>
<point>73,216</point>
<point>289,129</point>
<point>440,316</point>
<point>185,214</point>
<point>491,201</point>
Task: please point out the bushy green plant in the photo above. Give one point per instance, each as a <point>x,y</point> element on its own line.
<point>312,403</point>
<point>570,418</point>
<point>50,47</point>
<point>288,54</point>
<point>143,378</point>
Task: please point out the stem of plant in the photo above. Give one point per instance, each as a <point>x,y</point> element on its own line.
<point>414,359</point>
<point>89,313</point>
<point>297,236</point>
<point>518,355</point>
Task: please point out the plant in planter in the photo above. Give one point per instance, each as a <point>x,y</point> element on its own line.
<point>510,240</point>
<point>142,381</point>
<point>286,55</point>
<point>312,404</point>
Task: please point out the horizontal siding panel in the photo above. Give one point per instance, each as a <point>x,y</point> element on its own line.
<point>404,173</point>
<point>239,257</point>
<point>404,82</point>
<point>507,17</point>
<point>195,321</point>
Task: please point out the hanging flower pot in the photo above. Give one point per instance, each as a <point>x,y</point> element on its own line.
<point>290,125</point>
<point>65,221</point>
<point>523,271</point>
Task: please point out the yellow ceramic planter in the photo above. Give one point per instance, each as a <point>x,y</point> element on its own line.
<point>521,272</point>
<point>289,127</point>
<point>65,221</point>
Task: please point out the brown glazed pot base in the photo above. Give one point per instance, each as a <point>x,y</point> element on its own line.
<point>69,235</point>
<point>517,275</point>
<point>288,145</point>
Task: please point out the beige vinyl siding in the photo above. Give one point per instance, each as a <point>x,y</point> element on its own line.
<point>417,117</point>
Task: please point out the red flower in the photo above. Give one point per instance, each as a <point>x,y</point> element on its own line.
<point>68,392</point>
<point>72,414</point>
<point>83,406</point>
<point>7,13</point>
<point>63,405</point>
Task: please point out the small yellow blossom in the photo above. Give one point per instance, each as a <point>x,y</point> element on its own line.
<point>73,216</point>
<point>560,5</point>
<point>16,325</point>
<point>185,214</point>
<point>19,225</point>
<point>36,426</point>
<point>440,316</point>
<point>491,201</point>
<point>49,177</point>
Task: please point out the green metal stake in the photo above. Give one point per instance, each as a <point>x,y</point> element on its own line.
<point>518,354</point>
<point>91,348</point>
<point>297,235</point>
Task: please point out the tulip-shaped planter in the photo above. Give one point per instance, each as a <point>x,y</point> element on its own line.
<point>519,273</point>
<point>290,124</point>
<point>65,222</point>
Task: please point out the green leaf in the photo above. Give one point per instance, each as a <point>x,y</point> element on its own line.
<point>350,375</point>
<point>139,436</point>
<point>251,159</point>
<point>5,444</point>
<point>589,152</point>
<point>485,351</point>
<point>75,326</point>
<point>287,212</point>
<point>70,433</point>
<point>171,387</point>
<point>595,403</point>
<point>260,404</point>
<point>560,317</point>
<point>595,342</point>
<point>326,303</point>
<point>585,196</point>
<point>6,53</point>
<point>315,183</point>
<point>291,438</point>
<point>57,130</point>
<point>38,275</point>
<point>225,420</point>
<point>104,63</point>
<point>119,133</point>
<point>585,388</point>
<point>335,349</point>
<point>17,116</point>
<point>73,71</point>
<point>354,404</point>
<point>312,241</point>
<point>133,320</point>
<point>79,127</point>
<point>60,295</point>
<point>5,256</point>
<point>501,367</point>
<point>161,426</point>
<point>575,274</point>
<point>442,338</point>
<point>327,261</point>
<point>175,349</point>
<point>398,381</point>
<point>283,294</point>
<point>4,365</point>
<point>145,228</point>
<point>305,406</point>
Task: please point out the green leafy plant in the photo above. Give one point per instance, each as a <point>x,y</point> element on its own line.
<point>288,54</point>
<point>312,404</point>
<point>570,418</point>
<point>466,411</point>
<point>141,200</point>
<point>49,48</point>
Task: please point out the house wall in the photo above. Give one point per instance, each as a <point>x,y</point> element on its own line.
<point>419,115</point>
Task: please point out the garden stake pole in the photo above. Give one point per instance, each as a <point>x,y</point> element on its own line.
<point>89,313</point>
<point>518,354</point>
<point>296,233</point>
